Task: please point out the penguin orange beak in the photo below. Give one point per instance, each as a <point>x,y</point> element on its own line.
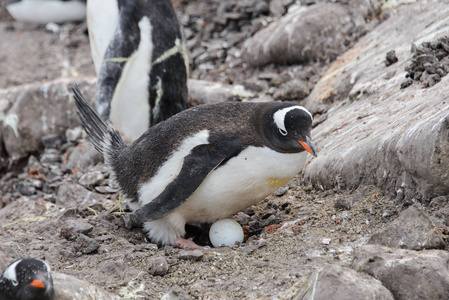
<point>37,283</point>
<point>308,146</point>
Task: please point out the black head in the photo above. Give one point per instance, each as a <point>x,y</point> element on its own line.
<point>287,128</point>
<point>27,279</point>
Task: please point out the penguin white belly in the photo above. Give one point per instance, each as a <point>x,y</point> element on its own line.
<point>243,181</point>
<point>130,107</point>
<point>101,20</point>
<point>45,11</point>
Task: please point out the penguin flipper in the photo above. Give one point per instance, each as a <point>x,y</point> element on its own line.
<point>196,167</point>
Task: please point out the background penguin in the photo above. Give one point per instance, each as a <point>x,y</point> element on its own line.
<point>205,163</point>
<point>143,75</point>
<point>46,11</point>
<point>27,279</point>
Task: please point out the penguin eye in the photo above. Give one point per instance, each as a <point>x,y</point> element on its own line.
<point>15,283</point>
<point>282,131</point>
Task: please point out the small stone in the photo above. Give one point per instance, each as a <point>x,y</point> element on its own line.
<point>261,264</point>
<point>176,293</point>
<point>267,213</point>
<point>86,244</point>
<point>146,247</point>
<point>281,191</point>
<point>158,266</point>
<point>391,58</point>
<point>270,220</point>
<point>408,82</point>
<point>26,188</point>
<point>326,241</point>
<point>194,255</point>
<point>51,141</point>
<point>72,135</point>
<point>387,214</point>
<point>106,190</point>
<point>38,184</point>
<point>91,179</point>
<point>261,8</point>
<point>79,226</point>
<point>343,203</point>
<point>50,156</point>
<point>250,211</point>
<point>284,205</point>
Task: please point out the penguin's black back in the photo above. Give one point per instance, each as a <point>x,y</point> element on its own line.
<point>171,72</point>
<point>232,125</point>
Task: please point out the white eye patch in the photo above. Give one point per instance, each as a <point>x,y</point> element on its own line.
<point>279,117</point>
<point>10,272</point>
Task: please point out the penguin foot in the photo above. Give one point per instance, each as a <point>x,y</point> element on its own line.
<point>186,243</point>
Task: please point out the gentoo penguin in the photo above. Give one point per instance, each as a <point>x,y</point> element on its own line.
<point>143,75</point>
<point>46,11</point>
<point>203,164</point>
<point>27,279</point>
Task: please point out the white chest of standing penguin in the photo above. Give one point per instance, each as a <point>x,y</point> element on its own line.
<point>205,163</point>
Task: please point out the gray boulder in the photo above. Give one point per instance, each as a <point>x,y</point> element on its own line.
<point>341,283</point>
<point>412,229</point>
<point>32,111</point>
<point>407,274</point>
<point>307,33</point>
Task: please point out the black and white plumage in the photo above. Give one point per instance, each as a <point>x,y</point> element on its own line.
<point>46,11</point>
<point>143,75</point>
<point>205,163</point>
<point>27,279</point>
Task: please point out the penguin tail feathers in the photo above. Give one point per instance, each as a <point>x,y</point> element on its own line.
<point>105,140</point>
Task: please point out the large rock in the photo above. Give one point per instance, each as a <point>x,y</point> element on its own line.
<point>413,230</point>
<point>68,288</point>
<point>407,274</point>
<point>310,33</point>
<point>341,283</point>
<point>29,112</point>
<point>204,92</point>
<point>381,134</point>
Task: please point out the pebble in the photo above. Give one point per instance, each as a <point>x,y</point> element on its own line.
<point>391,58</point>
<point>194,255</point>
<point>86,244</point>
<point>343,203</point>
<point>281,191</point>
<point>106,190</point>
<point>51,141</point>
<point>387,214</point>
<point>26,188</point>
<point>91,179</point>
<point>268,212</point>
<point>158,266</point>
<point>78,226</point>
<point>250,211</point>
<point>270,220</point>
<point>50,156</point>
<point>145,247</point>
<point>176,293</point>
<point>260,264</point>
<point>73,134</point>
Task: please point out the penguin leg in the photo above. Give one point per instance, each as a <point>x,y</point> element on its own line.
<point>186,243</point>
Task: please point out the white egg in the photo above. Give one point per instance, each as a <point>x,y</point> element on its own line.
<point>225,233</point>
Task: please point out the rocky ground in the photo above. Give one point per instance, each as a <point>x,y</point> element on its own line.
<point>59,204</point>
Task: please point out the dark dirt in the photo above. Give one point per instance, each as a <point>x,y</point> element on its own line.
<point>49,212</point>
